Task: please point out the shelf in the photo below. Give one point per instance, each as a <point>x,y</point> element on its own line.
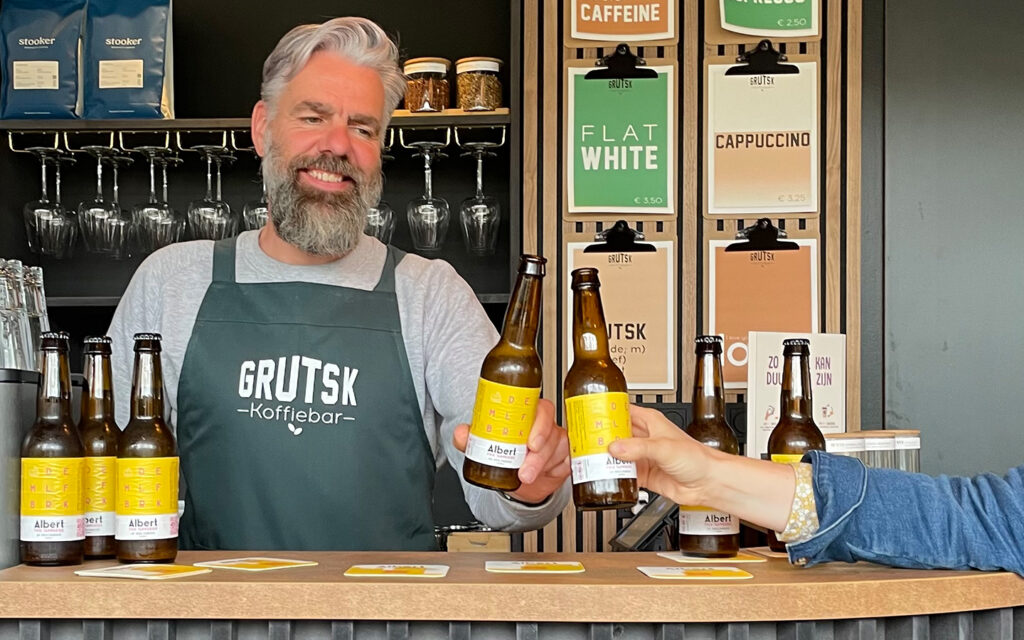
<point>111,301</point>
<point>400,118</point>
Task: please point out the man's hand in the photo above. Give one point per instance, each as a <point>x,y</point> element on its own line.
<point>547,460</point>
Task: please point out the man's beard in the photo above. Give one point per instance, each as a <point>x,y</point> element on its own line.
<point>318,222</point>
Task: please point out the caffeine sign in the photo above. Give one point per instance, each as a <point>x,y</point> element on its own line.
<point>622,20</point>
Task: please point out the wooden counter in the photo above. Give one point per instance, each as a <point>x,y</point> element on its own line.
<point>611,590</point>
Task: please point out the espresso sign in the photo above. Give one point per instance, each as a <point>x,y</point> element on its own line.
<point>637,294</point>
<point>622,20</point>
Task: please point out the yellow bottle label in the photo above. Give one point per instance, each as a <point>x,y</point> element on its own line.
<point>147,498</point>
<point>100,494</point>
<point>502,418</point>
<point>594,421</point>
<point>51,500</point>
<point>787,458</point>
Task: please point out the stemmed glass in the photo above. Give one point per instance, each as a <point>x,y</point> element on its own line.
<point>156,224</point>
<point>93,214</point>
<point>211,218</point>
<point>380,218</point>
<point>256,212</point>
<point>117,229</point>
<point>480,215</point>
<point>50,228</point>
<point>428,216</point>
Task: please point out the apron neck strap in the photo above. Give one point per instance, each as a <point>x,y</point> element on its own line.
<point>387,275</point>
<point>224,260</point>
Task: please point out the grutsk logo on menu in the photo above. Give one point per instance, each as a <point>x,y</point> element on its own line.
<point>622,20</point>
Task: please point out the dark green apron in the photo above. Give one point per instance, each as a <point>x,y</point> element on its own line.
<point>298,422</point>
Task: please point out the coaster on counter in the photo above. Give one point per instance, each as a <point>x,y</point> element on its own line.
<point>739,557</point>
<point>767,552</point>
<point>695,573</point>
<point>256,564</point>
<point>144,571</point>
<point>398,570</point>
<point>501,566</point>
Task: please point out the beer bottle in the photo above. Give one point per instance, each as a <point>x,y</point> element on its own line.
<point>596,406</point>
<point>99,435</point>
<point>147,466</point>
<point>52,514</point>
<point>796,432</point>
<point>703,532</point>
<point>509,388</point>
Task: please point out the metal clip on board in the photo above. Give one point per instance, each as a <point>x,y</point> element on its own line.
<point>762,59</point>
<point>619,238</point>
<point>622,64</point>
<point>762,237</point>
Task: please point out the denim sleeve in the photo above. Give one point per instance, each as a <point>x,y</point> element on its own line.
<point>914,520</point>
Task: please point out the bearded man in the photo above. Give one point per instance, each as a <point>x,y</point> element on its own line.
<point>315,377</point>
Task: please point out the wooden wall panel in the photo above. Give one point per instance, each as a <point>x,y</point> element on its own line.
<point>837,226</point>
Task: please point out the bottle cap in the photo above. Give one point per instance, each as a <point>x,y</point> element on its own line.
<point>97,344</point>
<point>708,344</point>
<point>148,342</point>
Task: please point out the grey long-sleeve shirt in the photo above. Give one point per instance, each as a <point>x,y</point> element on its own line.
<point>446,333</point>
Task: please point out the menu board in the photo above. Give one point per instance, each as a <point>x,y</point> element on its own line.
<point>638,296</point>
<point>762,142</point>
<point>618,21</point>
<point>770,19</point>
<point>759,291</point>
<point>764,383</point>
<point>621,143</point>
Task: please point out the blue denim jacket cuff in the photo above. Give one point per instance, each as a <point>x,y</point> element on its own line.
<point>840,483</point>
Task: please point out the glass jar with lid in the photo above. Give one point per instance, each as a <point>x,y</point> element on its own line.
<point>426,87</point>
<point>477,85</point>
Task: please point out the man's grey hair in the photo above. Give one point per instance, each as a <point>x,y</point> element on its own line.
<point>356,39</point>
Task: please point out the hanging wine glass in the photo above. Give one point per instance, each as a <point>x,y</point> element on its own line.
<point>256,212</point>
<point>427,215</point>
<point>480,215</point>
<point>92,214</point>
<point>211,218</point>
<point>380,218</point>
<point>51,229</point>
<point>155,223</point>
<point>116,230</point>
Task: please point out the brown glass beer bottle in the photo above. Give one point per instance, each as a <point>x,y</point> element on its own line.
<point>99,435</point>
<point>509,388</point>
<point>596,406</point>
<point>52,513</point>
<point>704,532</point>
<point>796,433</point>
<point>147,466</point>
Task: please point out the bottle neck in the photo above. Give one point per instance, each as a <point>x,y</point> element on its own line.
<point>98,395</point>
<point>147,387</point>
<point>523,318</point>
<point>589,332</point>
<point>53,404</point>
<point>708,394</point>
<point>795,401</point>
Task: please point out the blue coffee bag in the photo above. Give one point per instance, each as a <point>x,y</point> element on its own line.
<point>39,49</point>
<point>127,59</point>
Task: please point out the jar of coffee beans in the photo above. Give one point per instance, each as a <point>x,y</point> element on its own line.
<point>477,85</point>
<point>426,87</point>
